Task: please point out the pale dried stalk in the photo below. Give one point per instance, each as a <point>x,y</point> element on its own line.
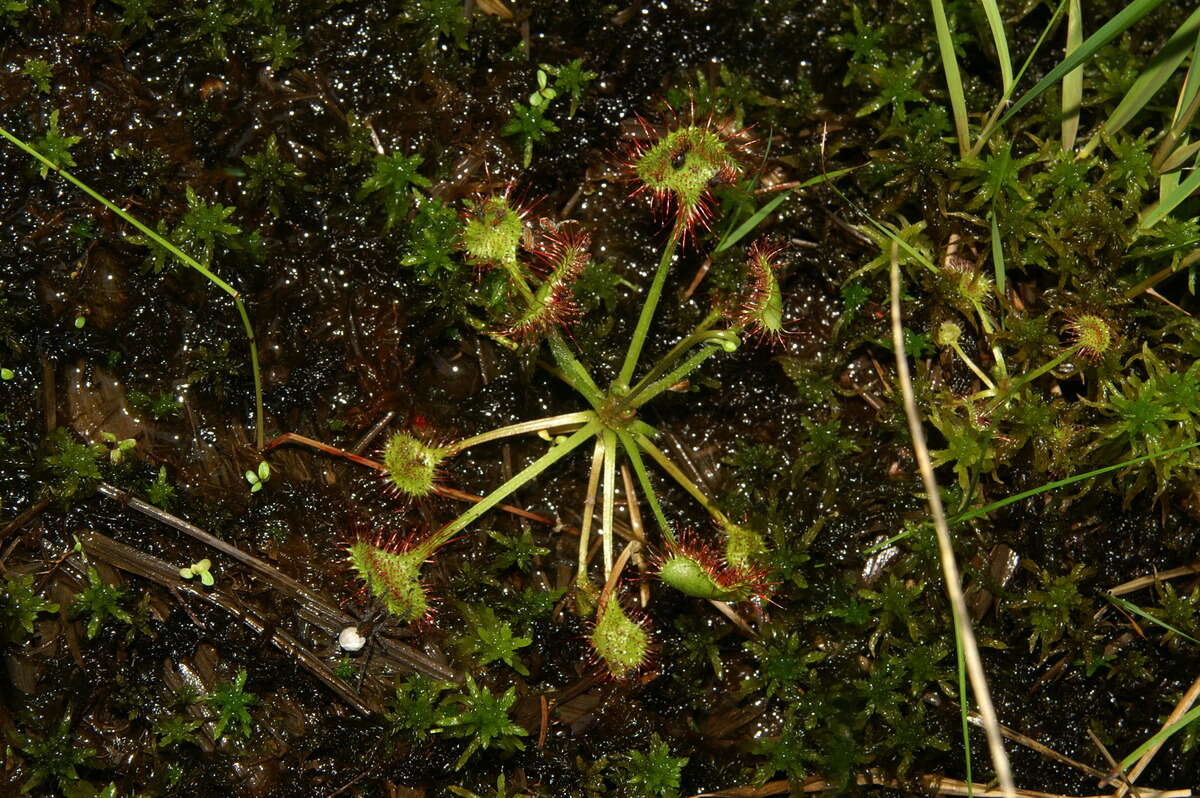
<point>966,634</point>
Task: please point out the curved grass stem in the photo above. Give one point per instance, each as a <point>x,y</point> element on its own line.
<point>183,258</point>
<point>962,619</point>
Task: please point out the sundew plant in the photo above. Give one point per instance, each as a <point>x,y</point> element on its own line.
<point>678,165</point>
<point>518,398</point>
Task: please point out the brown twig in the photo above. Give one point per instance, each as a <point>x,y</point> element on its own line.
<point>1134,585</point>
<point>27,515</point>
<point>313,605</point>
<point>138,562</point>
<point>1185,703</point>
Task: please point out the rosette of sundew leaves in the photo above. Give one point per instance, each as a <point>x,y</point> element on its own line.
<point>678,166</point>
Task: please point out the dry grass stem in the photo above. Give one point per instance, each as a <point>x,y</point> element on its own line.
<point>1185,703</point>
<point>962,623</point>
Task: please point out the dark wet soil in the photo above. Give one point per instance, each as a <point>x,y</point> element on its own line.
<point>348,338</point>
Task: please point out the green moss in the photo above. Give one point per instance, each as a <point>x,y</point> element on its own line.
<point>20,606</point>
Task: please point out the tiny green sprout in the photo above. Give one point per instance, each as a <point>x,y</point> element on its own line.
<point>117,447</point>
<point>256,480</point>
<point>200,569</point>
<point>80,321</point>
<point>6,374</point>
<point>411,467</point>
<point>543,95</point>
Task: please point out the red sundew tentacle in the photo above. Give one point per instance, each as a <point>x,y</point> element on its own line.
<point>699,569</point>
<point>761,310</point>
<point>680,163</point>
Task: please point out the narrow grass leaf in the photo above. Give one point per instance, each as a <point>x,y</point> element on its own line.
<point>1072,82</point>
<point>762,213</point>
<point>998,256</point>
<point>1161,737</point>
<point>1153,77</point>
<point>1109,31</point>
<point>958,101</point>
<point>1061,483</point>
<point>964,710</point>
<point>1162,209</point>
<point>1129,606</point>
<point>992,11</point>
<point>990,126</point>
<point>1176,160</point>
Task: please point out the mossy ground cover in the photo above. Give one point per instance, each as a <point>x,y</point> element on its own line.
<point>324,159</point>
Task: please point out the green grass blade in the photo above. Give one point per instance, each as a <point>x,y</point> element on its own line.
<point>1129,606</point>
<point>1109,31</point>
<point>1162,209</point>
<point>762,213</point>
<point>181,256</point>
<point>1153,77</point>
<point>998,256</point>
<point>992,123</point>
<point>1161,737</point>
<point>992,11</point>
<point>1072,82</point>
<point>1060,483</point>
<point>958,101</point>
<point>963,710</point>
<point>1176,160</point>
